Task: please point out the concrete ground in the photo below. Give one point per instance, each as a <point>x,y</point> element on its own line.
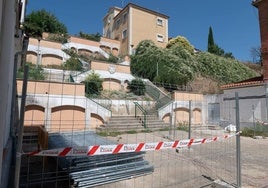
<point>201,165</point>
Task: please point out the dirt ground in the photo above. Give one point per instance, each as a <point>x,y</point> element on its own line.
<point>201,165</point>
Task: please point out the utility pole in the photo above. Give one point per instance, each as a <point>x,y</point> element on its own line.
<point>20,129</point>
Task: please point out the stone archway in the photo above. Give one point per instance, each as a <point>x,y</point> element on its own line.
<point>197,116</point>
<point>51,59</point>
<point>31,56</point>
<point>34,115</point>
<point>111,84</point>
<point>182,116</point>
<point>166,118</point>
<point>67,118</point>
<point>95,120</point>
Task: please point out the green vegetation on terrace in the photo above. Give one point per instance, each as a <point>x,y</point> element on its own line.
<point>114,133</point>
<point>258,130</point>
<point>34,72</point>
<point>41,21</point>
<point>178,64</point>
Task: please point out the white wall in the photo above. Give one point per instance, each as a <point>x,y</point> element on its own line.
<point>254,102</point>
<point>7,46</point>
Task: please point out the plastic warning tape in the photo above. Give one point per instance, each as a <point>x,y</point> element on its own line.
<point>262,122</point>
<point>125,148</point>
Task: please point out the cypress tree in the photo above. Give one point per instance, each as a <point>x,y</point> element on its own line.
<point>214,48</point>
<point>211,44</point>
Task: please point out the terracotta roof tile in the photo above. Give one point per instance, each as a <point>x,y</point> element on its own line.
<point>248,82</point>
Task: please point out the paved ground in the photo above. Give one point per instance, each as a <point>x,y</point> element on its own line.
<point>201,165</point>
<point>198,166</point>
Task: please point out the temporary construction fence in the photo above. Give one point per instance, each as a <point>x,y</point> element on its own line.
<point>190,152</point>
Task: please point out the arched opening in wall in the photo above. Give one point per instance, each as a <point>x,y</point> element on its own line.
<point>181,116</point>
<point>85,53</point>
<point>51,59</point>
<point>197,116</point>
<point>166,118</point>
<point>74,50</point>
<point>115,51</point>
<point>95,120</point>
<point>31,57</point>
<point>107,49</point>
<point>111,84</point>
<point>34,115</point>
<point>98,56</point>
<point>125,86</point>
<point>67,118</point>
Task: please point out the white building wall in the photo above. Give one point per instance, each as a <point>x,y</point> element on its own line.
<point>10,44</point>
<point>7,52</point>
<point>212,99</point>
<point>250,99</point>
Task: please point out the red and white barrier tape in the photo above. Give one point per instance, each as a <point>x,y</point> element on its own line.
<point>125,148</point>
<point>261,122</point>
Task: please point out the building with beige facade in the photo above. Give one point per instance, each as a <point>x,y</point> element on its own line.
<point>134,23</point>
<point>43,51</point>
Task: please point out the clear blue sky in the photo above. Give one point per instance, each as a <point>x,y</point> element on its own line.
<point>234,22</point>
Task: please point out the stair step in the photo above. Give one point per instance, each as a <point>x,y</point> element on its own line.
<point>132,123</point>
<point>119,123</point>
<point>125,129</point>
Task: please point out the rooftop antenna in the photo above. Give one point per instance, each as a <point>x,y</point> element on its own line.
<point>122,3</point>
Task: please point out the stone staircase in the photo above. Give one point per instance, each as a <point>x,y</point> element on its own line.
<point>132,123</point>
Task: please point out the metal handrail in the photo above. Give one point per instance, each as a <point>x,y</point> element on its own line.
<point>138,106</point>
<point>107,108</point>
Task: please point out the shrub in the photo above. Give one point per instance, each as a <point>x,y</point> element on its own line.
<point>93,84</point>
<point>73,64</point>
<point>137,87</point>
<point>34,72</point>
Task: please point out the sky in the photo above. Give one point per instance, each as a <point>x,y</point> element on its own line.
<point>234,23</point>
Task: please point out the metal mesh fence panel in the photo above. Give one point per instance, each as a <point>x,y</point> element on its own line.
<point>58,115</point>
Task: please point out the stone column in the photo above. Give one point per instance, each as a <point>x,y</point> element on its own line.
<point>48,118</point>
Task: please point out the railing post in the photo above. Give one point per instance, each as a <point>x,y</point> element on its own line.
<point>135,109</point>
<point>190,119</point>
<point>238,161</point>
<point>143,112</point>
<point>144,122</point>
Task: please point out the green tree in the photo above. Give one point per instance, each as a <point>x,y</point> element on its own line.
<point>73,64</point>
<point>174,70</point>
<point>224,70</point>
<point>41,21</point>
<point>94,37</point>
<point>214,48</point>
<point>211,44</point>
<point>181,41</point>
<point>173,66</point>
<point>144,62</point>
<point>176,66</point>
<point>137,87</point>
<point>93,84</point>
